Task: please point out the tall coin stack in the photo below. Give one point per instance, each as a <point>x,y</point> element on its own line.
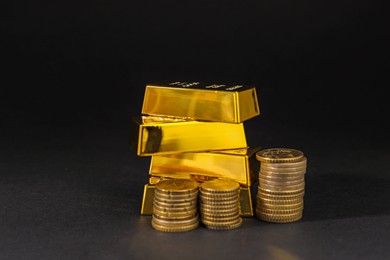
<point>219,204</point>
<point>281,185</point>
<point>195,131</point>
<point>175,207</point>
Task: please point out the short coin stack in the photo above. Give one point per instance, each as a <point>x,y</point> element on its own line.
<point>175,207</point>
<point>219,204</point>
<point>281,185</point>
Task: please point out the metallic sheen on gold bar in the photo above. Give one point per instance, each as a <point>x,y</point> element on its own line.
<point>246,206</point>
<point>238,165</point>
<point>200,101</point>
<point>155,138</point>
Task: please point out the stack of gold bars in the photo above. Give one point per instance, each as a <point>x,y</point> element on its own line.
<point>195,131</point>
<point>281,185</point>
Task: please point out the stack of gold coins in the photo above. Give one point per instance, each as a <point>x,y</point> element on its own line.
<point>219,204</point>
<point>175,205</point>
<point>281,185</point>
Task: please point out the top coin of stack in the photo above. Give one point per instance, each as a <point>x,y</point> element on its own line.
<point>281,185</point>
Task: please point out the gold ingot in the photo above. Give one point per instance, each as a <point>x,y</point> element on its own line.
<point>199,101</point>
<point>239,165</point>
<point>246,205</point>
<point>156,138</point>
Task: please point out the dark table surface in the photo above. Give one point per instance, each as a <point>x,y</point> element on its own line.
<point>74,72</point>
<point>74,192</point>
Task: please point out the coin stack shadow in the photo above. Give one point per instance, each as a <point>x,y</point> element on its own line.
<point>280,196</point>
<point>175,206</point>
<point>219,204</point>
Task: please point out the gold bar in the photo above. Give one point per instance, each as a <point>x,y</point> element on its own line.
<point>147,200</point>
<point>201,101</point>
<point>246,206</point>
<point>155,138</point>
<point>238,165</point>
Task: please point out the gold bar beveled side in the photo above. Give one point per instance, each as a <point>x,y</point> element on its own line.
<point>156,138</point>
<point>246,206</point>
<point>238,165</point>
<point>147,200</point>
<point>201,101</point>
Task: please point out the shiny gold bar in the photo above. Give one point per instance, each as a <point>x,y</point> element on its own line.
<point>201,101</point>
<point>147,200</point>
<point>238,165</point>
<point>156,138</point>
<point>246,206</point>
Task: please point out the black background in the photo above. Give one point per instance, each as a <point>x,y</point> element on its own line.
<point>74,73</point>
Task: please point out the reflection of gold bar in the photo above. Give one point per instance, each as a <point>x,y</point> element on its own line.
<point>246,206</point>
<point>189,136</point>
<point>198,101</point>
<point>238,165</point>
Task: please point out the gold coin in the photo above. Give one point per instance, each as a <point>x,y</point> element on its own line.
<point>280,192</point>
<point>177,186</point>
<point>176,194</point>
<point>193,203</point>
<point>281,182</point>
<point>279,218</point>
<point>276,177</point>
<point>280,206</point>
<point>283,169</point>
<point>169,222</point>
<point>282,185</point>
<point>204,201</point>
<point>218,195</point>
<point>260,200</point>
<point>263,195</point>
<point>219,208</point>
<point>181,228</point>
<point>281,165</point>
<point>174,215</point>
<point>282,188</point>
<point>278,211</point>
<point>219,212</point>
<point>175,200</point>
<point>282,155</point>
<point>219,219</point>
<point>170,209</point>
<point>281,173</point>
<point>225,226</point>
<point>207,198</point>
<point>219,186</point>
